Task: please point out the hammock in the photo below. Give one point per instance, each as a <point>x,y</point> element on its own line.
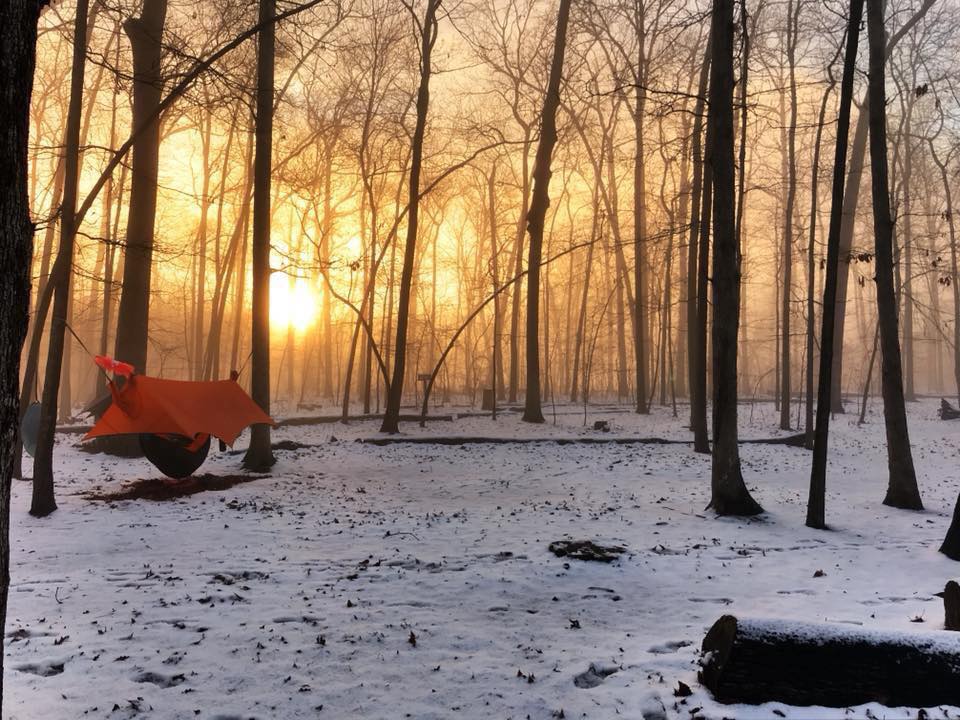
<point>175,418</point>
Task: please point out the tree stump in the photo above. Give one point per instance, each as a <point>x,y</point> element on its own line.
<point>951,543</point>
<point>757,661</point>
<point>948,411</point>
<point>951,605</point>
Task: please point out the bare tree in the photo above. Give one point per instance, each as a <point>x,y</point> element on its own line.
<point>729,494</point>
<point>133,317</point>
<point>539,203</point>
<point>428,36</point>
<point>43,502</point>
<point>818,473</point>
<point>902,491</point>
<point>17,59</point>
<point>259,454</point>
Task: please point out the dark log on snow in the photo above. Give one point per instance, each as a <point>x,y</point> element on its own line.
<point>789,440</point>
<point>757,661</point>
<point>948,411</point>
<point>951,543</point>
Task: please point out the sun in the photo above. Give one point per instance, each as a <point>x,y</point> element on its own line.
<point>293,303</point>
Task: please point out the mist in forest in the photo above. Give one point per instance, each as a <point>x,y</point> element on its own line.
<point>647,235</point>
<point>620,199</point>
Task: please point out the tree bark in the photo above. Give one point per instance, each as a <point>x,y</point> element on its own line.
<point>17,58</point>
<point>391,416</point>
<point>729,493</point>
<point>850,202</point>
<point>259,454</point>
<point>133,316</point>
<point>696,367</point>
<point>811,261</point>
<point>793,13</point>
<point>818,473</point>
<point>757,661</point>
<point>43,502</point>
<point>902,491</point>
<point>536,217</point>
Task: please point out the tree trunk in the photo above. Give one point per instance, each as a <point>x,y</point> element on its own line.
<point>698,415</point>
<point>850,202</point>
<point>818,473</point>
<point>259,456</point>
<point>698,354</point>
<point>954,274</point>
<point>536,217</point>
<point>902,491</point>
<point>811,262</point>
<point>793,13</point>
<point>133,316</point>
<point>200,299</point>
<point>640,236</point>
<point>17,58</point>
<point>758,661</point>
<point>907,281</point>
<point>729,493</point>
<point>391,416</point>
<point>43,502</point>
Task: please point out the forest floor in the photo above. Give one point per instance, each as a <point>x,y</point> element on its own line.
<point>415,581</point>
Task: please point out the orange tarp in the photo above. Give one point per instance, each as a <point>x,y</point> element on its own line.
<point>177,407</point>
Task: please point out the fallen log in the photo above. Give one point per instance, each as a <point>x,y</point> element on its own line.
<point>790,440</point>
<point>948,411</point>
<point>756,661</point>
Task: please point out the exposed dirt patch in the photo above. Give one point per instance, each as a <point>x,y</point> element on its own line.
<point>160,489</point>
<point>586,550</point>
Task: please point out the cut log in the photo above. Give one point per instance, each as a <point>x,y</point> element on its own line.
<point>756,661</point>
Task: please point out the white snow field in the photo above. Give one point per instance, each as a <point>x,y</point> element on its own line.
<point>301,595</point>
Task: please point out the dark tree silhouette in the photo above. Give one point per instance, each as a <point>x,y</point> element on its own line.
<point>428,37</point>
<point>43,502</point>
<point>133,315</point>
<point>902,491</point>
<point>260,455</point>
<point>539,203</point>
<point>729,493</point>
<point>818,473</point>
<point>18,43</point>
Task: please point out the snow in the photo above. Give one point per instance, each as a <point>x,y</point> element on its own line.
<point>301,595</point>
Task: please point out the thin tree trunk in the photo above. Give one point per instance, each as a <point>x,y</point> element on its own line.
<point>536,217</point>
<point>793,13</point>
<point>954,274</point>
<point>698,355</point>
<point>43,502</point>
<point>811,261</point>
<point>391,417</point>
<point>818,473</point>
<point>700,188</point>
<point>259,454</point>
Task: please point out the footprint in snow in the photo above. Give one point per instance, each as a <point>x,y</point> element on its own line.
<point>594,675</point>
<point>669,647</point>
<point>45,668</point>
<point>160,680</point>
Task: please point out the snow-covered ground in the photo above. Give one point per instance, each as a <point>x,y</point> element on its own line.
<point>301,595</point>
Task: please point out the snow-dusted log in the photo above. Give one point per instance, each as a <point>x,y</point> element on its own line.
<point>757,661</point>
